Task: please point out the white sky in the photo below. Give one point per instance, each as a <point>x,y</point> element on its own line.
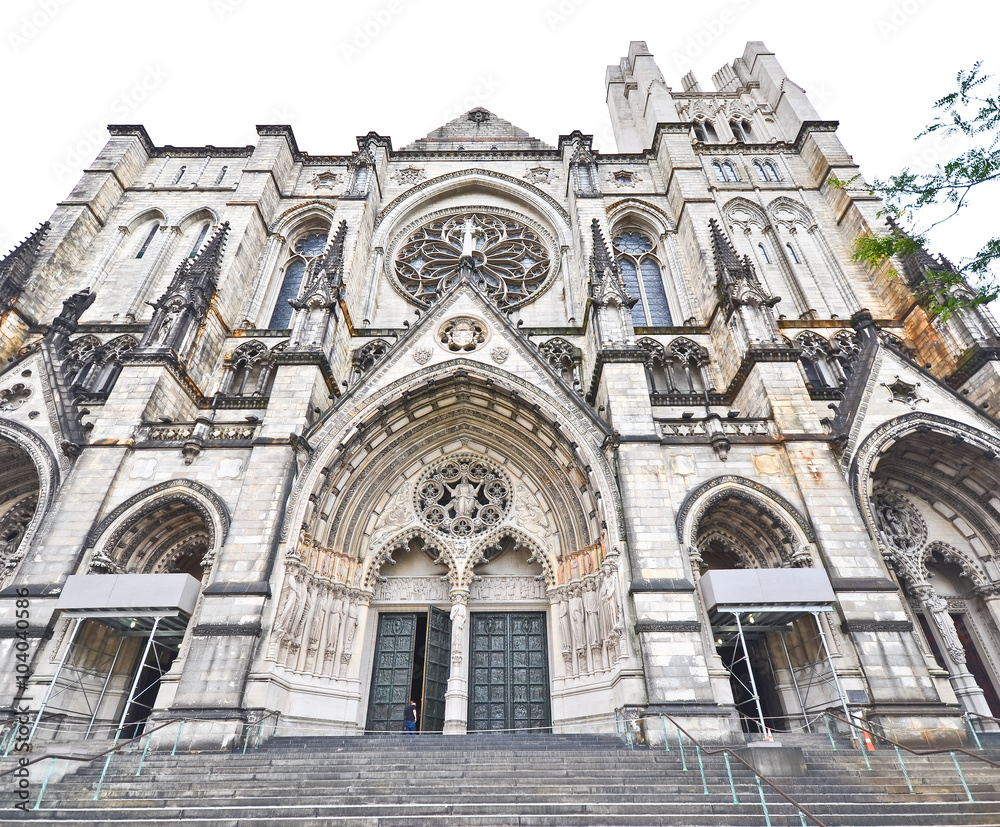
<point>198,72</point>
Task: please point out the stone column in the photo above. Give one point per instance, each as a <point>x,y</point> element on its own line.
<point>456,698</point>
<point>969,693</point>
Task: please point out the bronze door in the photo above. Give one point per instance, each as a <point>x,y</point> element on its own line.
<point>509,680</point>
<point>437,668</point>
<point>393,672</point>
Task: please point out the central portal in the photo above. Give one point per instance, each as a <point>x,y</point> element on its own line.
<point>509,680</point>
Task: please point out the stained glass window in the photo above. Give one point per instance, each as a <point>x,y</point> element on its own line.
<point>303,252</point>
<point>643,279</point>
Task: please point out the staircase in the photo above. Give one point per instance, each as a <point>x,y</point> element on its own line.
<point>486,780</point>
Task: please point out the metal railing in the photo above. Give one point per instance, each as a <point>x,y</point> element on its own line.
<point>866,743</point>
<point>630,726</point>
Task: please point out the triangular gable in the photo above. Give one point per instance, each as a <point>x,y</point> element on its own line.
<point>505,349</point>
<point>895,387</point>
<point>477,129</point>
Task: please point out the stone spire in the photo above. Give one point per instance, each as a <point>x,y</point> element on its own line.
<point>16,266</point>
<point>186,300</point>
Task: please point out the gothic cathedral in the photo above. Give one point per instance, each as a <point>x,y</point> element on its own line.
<point>537,436</point>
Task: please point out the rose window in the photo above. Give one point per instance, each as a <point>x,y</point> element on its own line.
<point>463,496</point>
<point>511,261</point>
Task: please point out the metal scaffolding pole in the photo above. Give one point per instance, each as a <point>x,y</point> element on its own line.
<point>138,674</point>
<point>833,671</point>
<point>55,677</point>
<point>795,683</point>
<point>104,689</point>
<point>753,683</point>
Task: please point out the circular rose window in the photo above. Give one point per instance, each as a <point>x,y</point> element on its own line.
<point>511,261</point>
<point>463,496</point>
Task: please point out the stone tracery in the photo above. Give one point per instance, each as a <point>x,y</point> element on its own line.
<point>511,261</point>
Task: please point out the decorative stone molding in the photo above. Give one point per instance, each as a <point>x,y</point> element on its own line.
<point>878,626</point>
<point>462,334</point>
<point>668,626</point>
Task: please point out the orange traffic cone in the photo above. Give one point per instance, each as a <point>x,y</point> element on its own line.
<point>868,741</point>
<point>770,737</point>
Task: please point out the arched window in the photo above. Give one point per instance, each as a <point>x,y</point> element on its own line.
<point>178,176</point>
<point>730,171</point>
<point>816,361</point>
<point>302,253</point>
<point>198,242</point>
<point>678,368</point>
<point>564,358</point>
<point>365,358</point>
<point>248,371</point>
<point>763,254</point>
<point>148,240</point>
<point>759,167</point>
<point>643,278</point>
<point>719,174</point>
<point>705,131</point>
<point>791,252</point>
<point>108,363</point>
<point>741,129</point>
<point>770,173</point>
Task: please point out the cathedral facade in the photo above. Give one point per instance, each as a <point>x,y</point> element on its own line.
<point>538,436</point>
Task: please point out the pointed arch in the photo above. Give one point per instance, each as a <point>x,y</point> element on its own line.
<point>791,536</point>
<point>28,487</point>
<point>190,516</point>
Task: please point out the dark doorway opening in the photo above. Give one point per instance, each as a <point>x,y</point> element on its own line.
<point>412,661</point>
<point>739,679</point>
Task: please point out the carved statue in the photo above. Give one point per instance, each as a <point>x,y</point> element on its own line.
<point>608,605</point>
<point>591,610</point>
<point>565,628</point>
<point>576,616</point>
<point>397,514</point>
<point>350,627</point>
<point>465,495</point>
<point>937,608</point>
<point>334,618</point>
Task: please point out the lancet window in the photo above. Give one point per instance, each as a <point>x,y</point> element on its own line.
<point>643,277</point>
<point>147,240</point>
<point>678,368</point>
<point>199,240</point>
<point>564,358</point>
<point>705,131</point>
<point>765,171</point>
<point>300,256</point>
<point>724,172</point>
<point>248,371</point>
<point>817,361</point>
<point>742,130</point>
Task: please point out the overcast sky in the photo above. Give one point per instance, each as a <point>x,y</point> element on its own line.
<point>198,72</point>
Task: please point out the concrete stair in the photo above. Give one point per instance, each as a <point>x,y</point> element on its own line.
<point>499,780</point>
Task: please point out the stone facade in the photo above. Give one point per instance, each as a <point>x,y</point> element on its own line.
<point>517,382</point>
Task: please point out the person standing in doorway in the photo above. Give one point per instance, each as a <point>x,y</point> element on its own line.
<point>410,718</point>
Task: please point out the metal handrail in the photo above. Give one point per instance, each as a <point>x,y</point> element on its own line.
<point>745,763</point>
<point>984,717</point>
<point>897,745</point>
<point>87,759</point>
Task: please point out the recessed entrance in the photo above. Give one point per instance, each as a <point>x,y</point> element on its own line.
<point>509,680</point>
<point>412,660</point>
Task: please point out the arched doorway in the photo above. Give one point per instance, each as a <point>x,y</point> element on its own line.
<point>466,499</point>
<point>775,650</point>
<point>19,496</point>
<point>936,518</point>
<point>116,661</point>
